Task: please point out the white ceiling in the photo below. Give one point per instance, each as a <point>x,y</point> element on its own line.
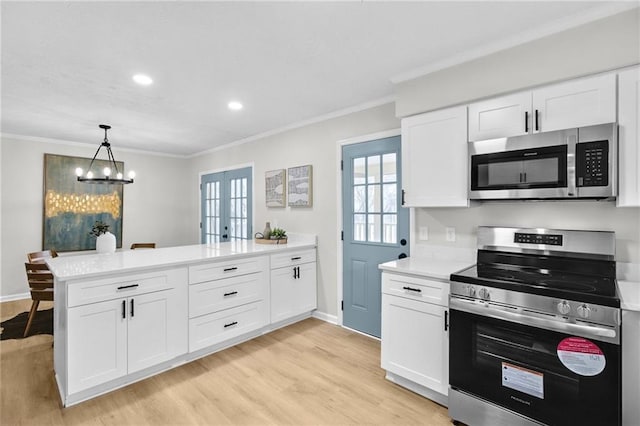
<point>67,66</point>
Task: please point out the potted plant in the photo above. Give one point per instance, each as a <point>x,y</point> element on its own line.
<point>278,234</point>
<point>105,240</point>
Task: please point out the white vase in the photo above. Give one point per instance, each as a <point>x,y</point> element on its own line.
<point>106,243</point>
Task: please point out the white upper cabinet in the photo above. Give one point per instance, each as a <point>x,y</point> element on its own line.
<point>629,138</point>
<point>500,117</point>
<point>434,159</point>
<point>576,103</point>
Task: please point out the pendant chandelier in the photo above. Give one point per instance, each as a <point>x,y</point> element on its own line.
<point>106,178</point>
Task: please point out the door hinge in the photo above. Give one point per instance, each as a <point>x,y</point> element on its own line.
<point>200,187</point>
<point>341,235</point>
<point>342,305</point>
<point>341,164</point>
<point>200,225</point>
<point>403,197</point>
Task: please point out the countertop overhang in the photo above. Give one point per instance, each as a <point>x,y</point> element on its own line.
<point>69,267</point>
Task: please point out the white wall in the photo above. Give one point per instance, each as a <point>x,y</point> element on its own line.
<point>602,45</point>
<point>156,207</point>
<point>589,215</point>
<point>316,145</point>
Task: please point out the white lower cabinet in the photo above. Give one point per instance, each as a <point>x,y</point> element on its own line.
<point>293,287</point>
<point>415,342</point>
<point>630,367</point>
<point>110,339</point>
<point>227,299</point>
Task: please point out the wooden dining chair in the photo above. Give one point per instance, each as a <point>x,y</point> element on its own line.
<point>40,256</point>
<point>40,281</point>
<point>143,245</point>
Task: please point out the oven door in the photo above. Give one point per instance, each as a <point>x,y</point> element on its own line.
<point>548,376</point>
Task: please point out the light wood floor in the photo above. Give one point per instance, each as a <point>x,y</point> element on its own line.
<point>310,373</point>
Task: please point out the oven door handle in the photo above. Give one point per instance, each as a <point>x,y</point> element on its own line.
<point>515,315</point>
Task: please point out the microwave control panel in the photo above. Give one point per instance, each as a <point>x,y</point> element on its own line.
<point>592,163</point>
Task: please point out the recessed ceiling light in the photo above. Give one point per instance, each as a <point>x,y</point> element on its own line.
<point>143,80</point>
<point>235,106</point>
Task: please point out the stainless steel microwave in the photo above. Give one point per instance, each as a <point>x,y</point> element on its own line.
<point>564,164</point>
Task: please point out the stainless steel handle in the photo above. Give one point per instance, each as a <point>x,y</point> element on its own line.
<point>513,314</point>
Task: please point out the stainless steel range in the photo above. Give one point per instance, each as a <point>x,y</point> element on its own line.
<point>535,330</point>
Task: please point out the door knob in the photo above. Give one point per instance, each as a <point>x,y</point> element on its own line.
<point>402,255</point>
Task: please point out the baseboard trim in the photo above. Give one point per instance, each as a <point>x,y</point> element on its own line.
<point>325,317</point>
<point>12,297</point>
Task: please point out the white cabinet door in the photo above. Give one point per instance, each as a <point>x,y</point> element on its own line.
<point>293,291</point>
<point>97,344</point>
<point>500,117</point>
<point>630,367</point>
<point>629,138</point>
<point>158,328</point>
<point>434,159</point>
<point>414,342</point>
<point>583,102</point>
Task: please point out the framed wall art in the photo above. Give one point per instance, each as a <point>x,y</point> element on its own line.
<point>300,185</point>
<point>71,207</point>
<point>274,187</point>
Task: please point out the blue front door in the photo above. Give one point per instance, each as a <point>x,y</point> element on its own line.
<point>226,206</point>
<point>376,227</point>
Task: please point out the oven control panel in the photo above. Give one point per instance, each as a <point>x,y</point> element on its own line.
<point>547,239</point>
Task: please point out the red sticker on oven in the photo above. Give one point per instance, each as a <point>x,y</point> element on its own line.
<point>581,356</point>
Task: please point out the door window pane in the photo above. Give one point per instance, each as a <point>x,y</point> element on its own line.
<point>359,227</point>
<point>373,198</point>
<point>390,228</point>
<point>359,172</point>
<point>389,167</point>
<point>359,199</point>
<point>373,169</point>
<point>389,200</point>
<point>373,228</point>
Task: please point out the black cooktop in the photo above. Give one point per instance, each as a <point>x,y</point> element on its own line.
<point>582,280</point>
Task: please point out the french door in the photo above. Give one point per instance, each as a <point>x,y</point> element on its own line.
<point>226,206</point>
<point>376,227</point>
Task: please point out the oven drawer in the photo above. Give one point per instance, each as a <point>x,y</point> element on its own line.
<point>416,288</point>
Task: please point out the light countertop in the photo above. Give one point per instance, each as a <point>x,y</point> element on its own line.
<point>430,268</point>
<point>93,265</point>
<point>629,292</point>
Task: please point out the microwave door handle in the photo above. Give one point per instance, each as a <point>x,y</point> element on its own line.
<point>515,315</point>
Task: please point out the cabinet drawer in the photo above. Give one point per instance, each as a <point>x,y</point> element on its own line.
<point>293,258</point>
<point>213,296</point>
<point>225,269</point>
<point>423,289</point>
<point>99,290</point>
<point>215,328</point>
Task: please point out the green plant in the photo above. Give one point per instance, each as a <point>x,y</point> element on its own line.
<point>278,234</point>
<point>99,228</point>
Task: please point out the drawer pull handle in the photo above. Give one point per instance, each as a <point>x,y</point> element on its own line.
<point>231,293</point>
<point>230,269</point>
<point>417,290</point>
<point>296,258</point>
<point>230,324</point>
<point>132,309</point>
<point>124,287</point>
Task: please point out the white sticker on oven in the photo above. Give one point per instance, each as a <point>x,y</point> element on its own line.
<point>581,356</point>
<point>523,380</point>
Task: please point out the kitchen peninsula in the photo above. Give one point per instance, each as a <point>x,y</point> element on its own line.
<point>122,317</point>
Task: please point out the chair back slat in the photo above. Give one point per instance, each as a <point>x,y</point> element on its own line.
<point>39,276</point>
<point>40,256</point>
<point>142,245</point>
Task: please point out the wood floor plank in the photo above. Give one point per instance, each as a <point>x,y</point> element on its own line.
<point>309,373</point>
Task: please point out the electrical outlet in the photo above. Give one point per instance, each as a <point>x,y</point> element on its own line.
<point>424,233</point>
<point>451,233</point>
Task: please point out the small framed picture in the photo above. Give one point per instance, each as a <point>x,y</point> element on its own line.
<point>300,185</point>
<point>274,183</point>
